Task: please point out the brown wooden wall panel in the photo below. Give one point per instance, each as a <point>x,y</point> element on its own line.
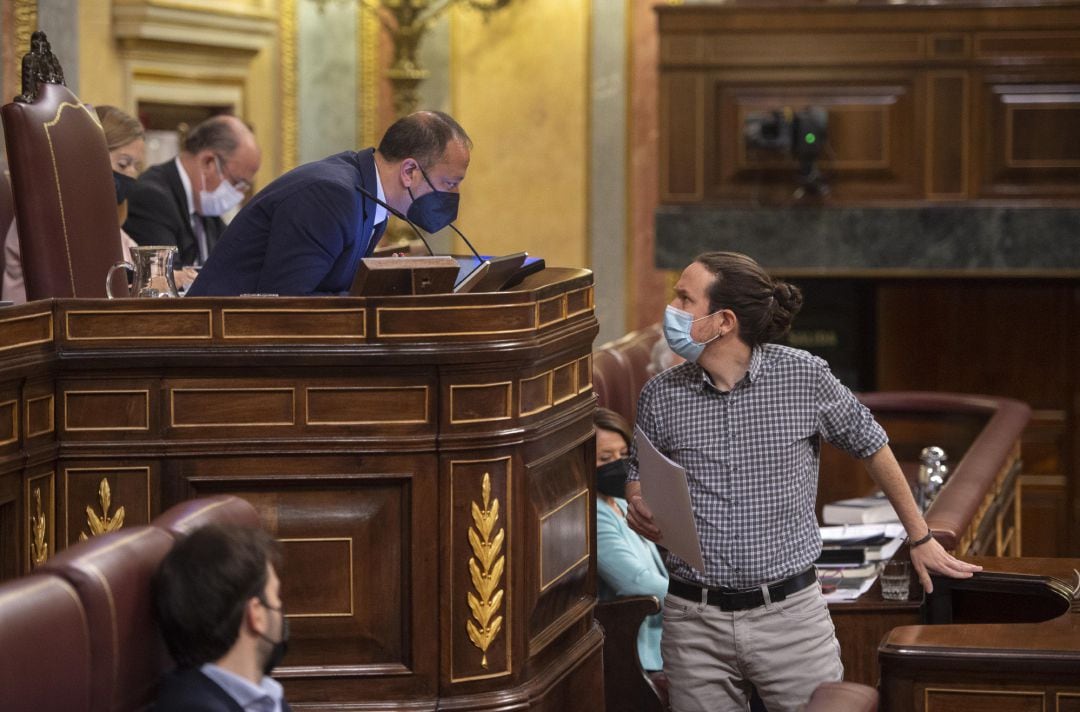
<point>551,310</point>
<point>231,407</point>
<point>481,568</point>
<point>1058,45</point>
<point>481,402</point>
<point>564,384</point>
<point>347,592</point>
<point>106,409</point>
<point>564,539</point>
<point>1031,146</point>
<point>293,324</point>
<point>535,394</point>
<point>584,374</point>
<point>1068,701</point>
<point>779,48</point>
<point>343,405</point>
<point>559,519</point>
<point>27,330</point>
<point>11,555</point>
<point>137,325</point>
<point>9,422</point>
<point>947,131</point>
<point>682,99</point>
<point>128,488</point>
<point>977,700</point>
<point>40,415</point>
<point>479,320</point>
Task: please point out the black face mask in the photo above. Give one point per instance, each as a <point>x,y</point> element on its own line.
<point>435,210</point>
<point>123,185</point>
<point>611,478</point>
<point>280,647</point>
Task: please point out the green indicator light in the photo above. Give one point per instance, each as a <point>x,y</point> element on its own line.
<point>810,138</point>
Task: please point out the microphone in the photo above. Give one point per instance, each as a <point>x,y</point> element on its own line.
<point>397,214</point>
<point>459,232</point>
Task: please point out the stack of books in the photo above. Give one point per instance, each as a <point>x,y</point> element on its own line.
<point>852,556</point>
<point>874,509</point>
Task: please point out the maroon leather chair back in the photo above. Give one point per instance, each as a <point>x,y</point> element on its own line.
<point>621,369</point>
<point>7,204</point>
<point>65,202</point>
<point>188,516</point>
<point>112,574</point>
<point>44,646</point>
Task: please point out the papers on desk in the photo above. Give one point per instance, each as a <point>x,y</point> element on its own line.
<point>875,544</point>
<point>663,485</point>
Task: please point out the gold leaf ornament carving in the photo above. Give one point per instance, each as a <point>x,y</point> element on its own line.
<point>103,524</point>
<point>39,548</point>
<point>486,567</point>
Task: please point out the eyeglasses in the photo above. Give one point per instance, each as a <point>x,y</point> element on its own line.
<point>240,184</point>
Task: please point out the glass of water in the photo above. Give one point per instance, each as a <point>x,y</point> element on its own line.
<point>896,581</point>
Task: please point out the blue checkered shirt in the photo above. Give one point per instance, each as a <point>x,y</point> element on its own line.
<point>751,459</point>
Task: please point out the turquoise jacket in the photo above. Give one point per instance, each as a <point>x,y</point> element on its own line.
<point>630,566</point>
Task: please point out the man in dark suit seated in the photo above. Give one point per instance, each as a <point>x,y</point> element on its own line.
<point>307,231</point>
<point>217,599</point>
<point>180,202</point>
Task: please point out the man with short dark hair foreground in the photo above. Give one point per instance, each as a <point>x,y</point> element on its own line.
<point>307,231</point>
<point>217,599</point>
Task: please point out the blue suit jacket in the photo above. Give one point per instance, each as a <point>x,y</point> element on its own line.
<point>630,566</point>
<point>305,233</point>
<point>188,690</point>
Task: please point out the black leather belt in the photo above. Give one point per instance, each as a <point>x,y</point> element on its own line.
<point>731,599</point>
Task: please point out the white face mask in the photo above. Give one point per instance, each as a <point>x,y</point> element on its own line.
<point>223,198</point>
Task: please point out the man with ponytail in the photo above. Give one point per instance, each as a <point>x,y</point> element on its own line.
<point>745,417</point>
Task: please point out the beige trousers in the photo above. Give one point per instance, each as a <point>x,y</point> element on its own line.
<point>784,649</point>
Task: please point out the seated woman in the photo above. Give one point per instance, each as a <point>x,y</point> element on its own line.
<point>628,564</point>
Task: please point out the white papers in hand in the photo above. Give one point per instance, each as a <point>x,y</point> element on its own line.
<point>663,485</point>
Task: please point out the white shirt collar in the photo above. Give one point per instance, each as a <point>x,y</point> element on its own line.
<point>187,186</point>
<point>380,211</point>
<point>267,695</point>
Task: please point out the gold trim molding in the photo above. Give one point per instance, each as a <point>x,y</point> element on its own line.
<point>39,545</point>
<point>289,101</point>
<point>485,569</point>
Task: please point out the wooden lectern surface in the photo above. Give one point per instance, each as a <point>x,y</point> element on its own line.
<point>425,461</point>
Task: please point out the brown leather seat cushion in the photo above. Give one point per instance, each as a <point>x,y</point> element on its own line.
<point>188,516</point>
<point>44,646</point>
<point>112,574</point>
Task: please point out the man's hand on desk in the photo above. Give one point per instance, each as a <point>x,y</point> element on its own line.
<point>931,556</point>
<point>638,515</point>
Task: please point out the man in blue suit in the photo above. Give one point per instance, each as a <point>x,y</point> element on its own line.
<point>307,231</point>
<point>217,600</point>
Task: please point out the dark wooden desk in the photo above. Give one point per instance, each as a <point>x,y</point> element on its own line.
<point>427,463</point>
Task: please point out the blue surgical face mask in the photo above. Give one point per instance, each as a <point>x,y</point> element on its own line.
<point>435,210</point>
<point>677,326</point>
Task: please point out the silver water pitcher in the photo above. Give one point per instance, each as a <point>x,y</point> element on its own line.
<point>152,267</point>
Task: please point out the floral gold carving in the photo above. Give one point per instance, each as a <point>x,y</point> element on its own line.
<point>103,524</point>
<point>39,547</point>
<point>486,570</point>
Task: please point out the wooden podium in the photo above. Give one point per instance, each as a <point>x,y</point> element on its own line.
<point>426,462</point>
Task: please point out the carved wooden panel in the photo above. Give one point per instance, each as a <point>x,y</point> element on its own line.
<point>11,555</point>
<point>948,128</point>
<point>475,320</point>
<point>17,332</point>
<point>39,412</point>
<point>93,407</point>
<point>560,521</point>
<point>9,420</point>
<point>368,405</point>
<point>293,324</point>
<point>234,407</point>
<point>90,325</point>
<point>98,499</point>
<point>682,155</point>
<point>1031,146</point>
<point>480,402</point>
<point>481,568</point>
<point>988,698</point>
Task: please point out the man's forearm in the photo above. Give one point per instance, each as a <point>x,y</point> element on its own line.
<point>886,472</point>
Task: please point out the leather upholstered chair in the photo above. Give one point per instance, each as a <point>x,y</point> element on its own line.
<point>188,516</point>
<point>61,179</point>
<point>627,687</point>
<point>44,646</point>
<point>111,575</point>
<point>842,697</point>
